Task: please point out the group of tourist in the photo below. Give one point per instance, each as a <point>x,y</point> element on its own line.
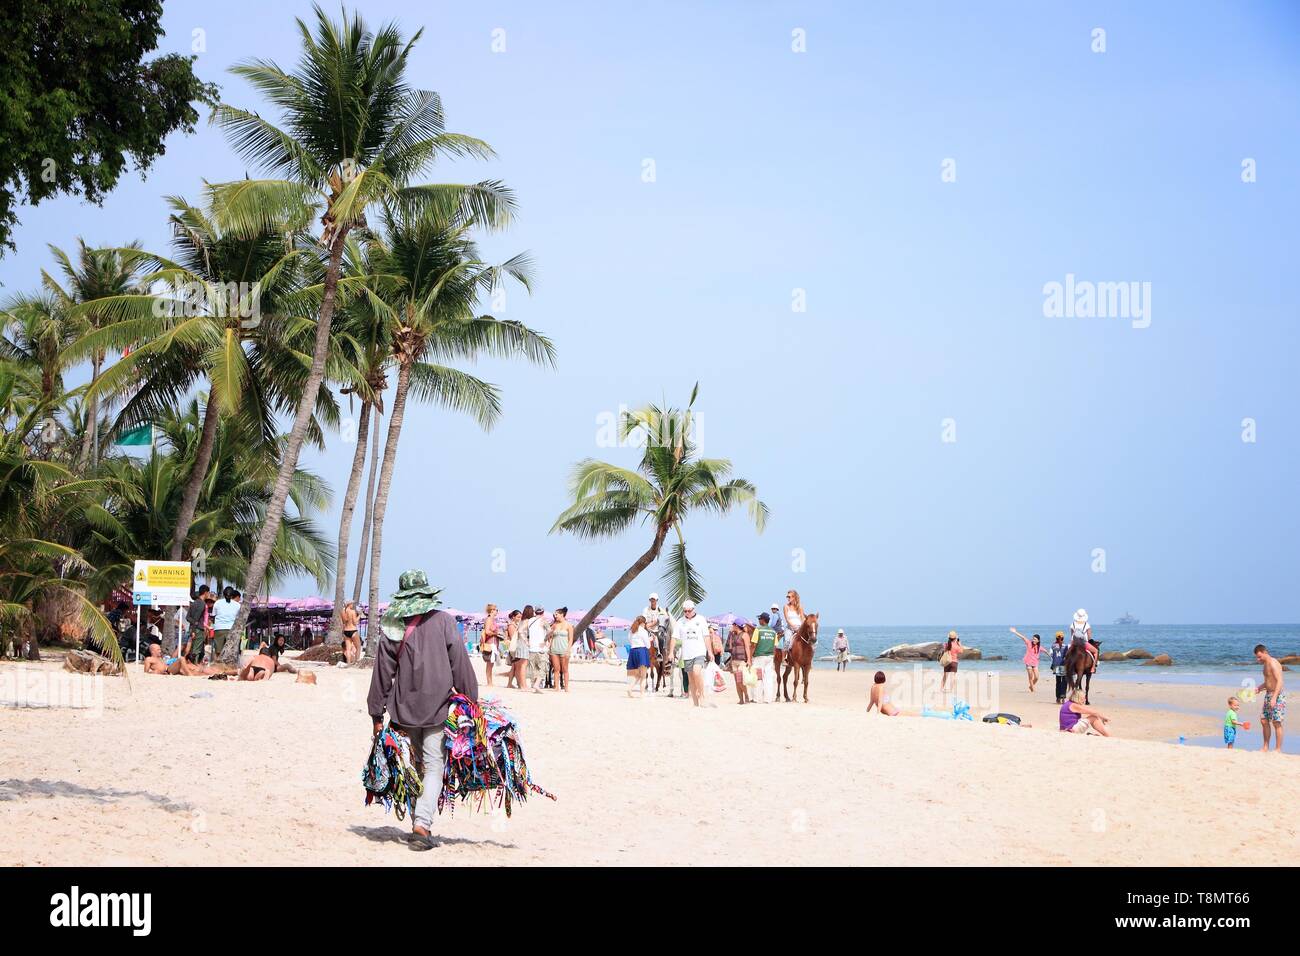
<point>536,646</point>
<point>660,644</point>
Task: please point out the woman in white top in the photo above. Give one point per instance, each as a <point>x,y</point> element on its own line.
<point>793,614</point>
<point>638,657</point>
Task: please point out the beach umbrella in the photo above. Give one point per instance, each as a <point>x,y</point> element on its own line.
<point>723,620</point>
<point>615,622</point>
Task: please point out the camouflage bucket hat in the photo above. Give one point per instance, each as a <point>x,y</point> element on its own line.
<point>414,596</point>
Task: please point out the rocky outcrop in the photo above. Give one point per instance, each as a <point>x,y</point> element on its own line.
<point>930,651</point>
<point>1137,654</point>
<point>1289,659</point>
<point>1160,660</point>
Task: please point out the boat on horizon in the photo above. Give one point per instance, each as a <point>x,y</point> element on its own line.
<point>1127,618</point>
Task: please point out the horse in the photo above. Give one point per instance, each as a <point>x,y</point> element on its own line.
<point>663,674</point>
<point>1079,668</point>
<point>799,658</point>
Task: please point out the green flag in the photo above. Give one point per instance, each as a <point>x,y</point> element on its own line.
<point>141,435</point>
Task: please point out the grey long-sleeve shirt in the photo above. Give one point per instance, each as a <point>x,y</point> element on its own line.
<point>416,689</point>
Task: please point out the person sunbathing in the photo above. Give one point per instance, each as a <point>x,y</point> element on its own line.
<point>260,667</point>
<point>157,663</point>
<point>879,699</point>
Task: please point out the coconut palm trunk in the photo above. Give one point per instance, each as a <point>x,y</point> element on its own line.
<point>363,552</point>
<point>297,435</point>
<point>630,575</point>
<point>345,524</point>
<point>194,483</point>
<point>381,495</point>
<point>90,437</point>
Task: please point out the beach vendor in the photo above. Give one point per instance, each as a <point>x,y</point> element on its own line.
<point>764,641</point>
<point>420,661</point>
<point>1273,711</point>
<point>841,649</point>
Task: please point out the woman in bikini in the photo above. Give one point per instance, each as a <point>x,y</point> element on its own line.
<point>350,621</point>
<point>491,639</point>
<point>561,641</point>
<point>879,699</point>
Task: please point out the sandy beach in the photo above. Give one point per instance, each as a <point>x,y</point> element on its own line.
<point>268,773</point>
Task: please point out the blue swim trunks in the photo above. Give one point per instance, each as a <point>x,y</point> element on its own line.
<point>1229,735</point>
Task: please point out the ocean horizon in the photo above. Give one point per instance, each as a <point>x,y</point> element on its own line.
<point>1218,650</point>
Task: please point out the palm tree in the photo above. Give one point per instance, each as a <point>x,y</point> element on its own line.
<point>353,133</point>
<point>667,485</point>
<point>35,332</point>
<point>37,500</point>
<point>427,278</point>
<point>98,275</point>
<point>366,342</point>
<point>139,514</point>
<point>222,292</point>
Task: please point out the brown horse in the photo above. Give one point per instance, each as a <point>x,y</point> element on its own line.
<point>1079,668</point>
<point>799,658</point>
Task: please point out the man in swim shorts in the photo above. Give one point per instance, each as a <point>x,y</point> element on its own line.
<point>1273,711</point>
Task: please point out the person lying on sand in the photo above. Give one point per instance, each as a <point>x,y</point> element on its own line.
<point>1078,718</point>
<point>879,699</point>
<point>260,667</point>
<point>156,663</point>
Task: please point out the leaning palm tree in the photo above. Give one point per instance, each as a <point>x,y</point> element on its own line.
<point>353,134</point>
<point>670,482</point>
<point>427,279</point>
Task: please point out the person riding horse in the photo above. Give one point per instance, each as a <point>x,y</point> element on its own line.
<point>1081,658</point>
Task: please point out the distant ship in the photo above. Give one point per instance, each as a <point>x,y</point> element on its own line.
<point>1127,619</point>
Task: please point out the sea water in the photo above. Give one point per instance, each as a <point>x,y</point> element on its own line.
<point>1220,654</point>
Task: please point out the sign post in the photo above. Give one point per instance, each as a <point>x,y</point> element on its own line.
<point>160,584</point>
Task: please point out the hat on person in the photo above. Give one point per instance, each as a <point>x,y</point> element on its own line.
<point>688,605</point>
<point>1081,616</point>
<point>741,622</point>
<point>414,596</point>
<point>840,631</point>
<point>775,606</point>
<point>654,597</point>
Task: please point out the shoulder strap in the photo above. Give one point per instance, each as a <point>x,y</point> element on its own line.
<point>411,625</point>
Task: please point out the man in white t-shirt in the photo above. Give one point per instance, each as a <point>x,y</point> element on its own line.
<point>693,631</point>
<point>538,638</point>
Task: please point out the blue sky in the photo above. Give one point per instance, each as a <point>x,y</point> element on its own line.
<point>821,170</point>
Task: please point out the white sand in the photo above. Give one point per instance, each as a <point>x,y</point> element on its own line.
<point>268,773</point>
